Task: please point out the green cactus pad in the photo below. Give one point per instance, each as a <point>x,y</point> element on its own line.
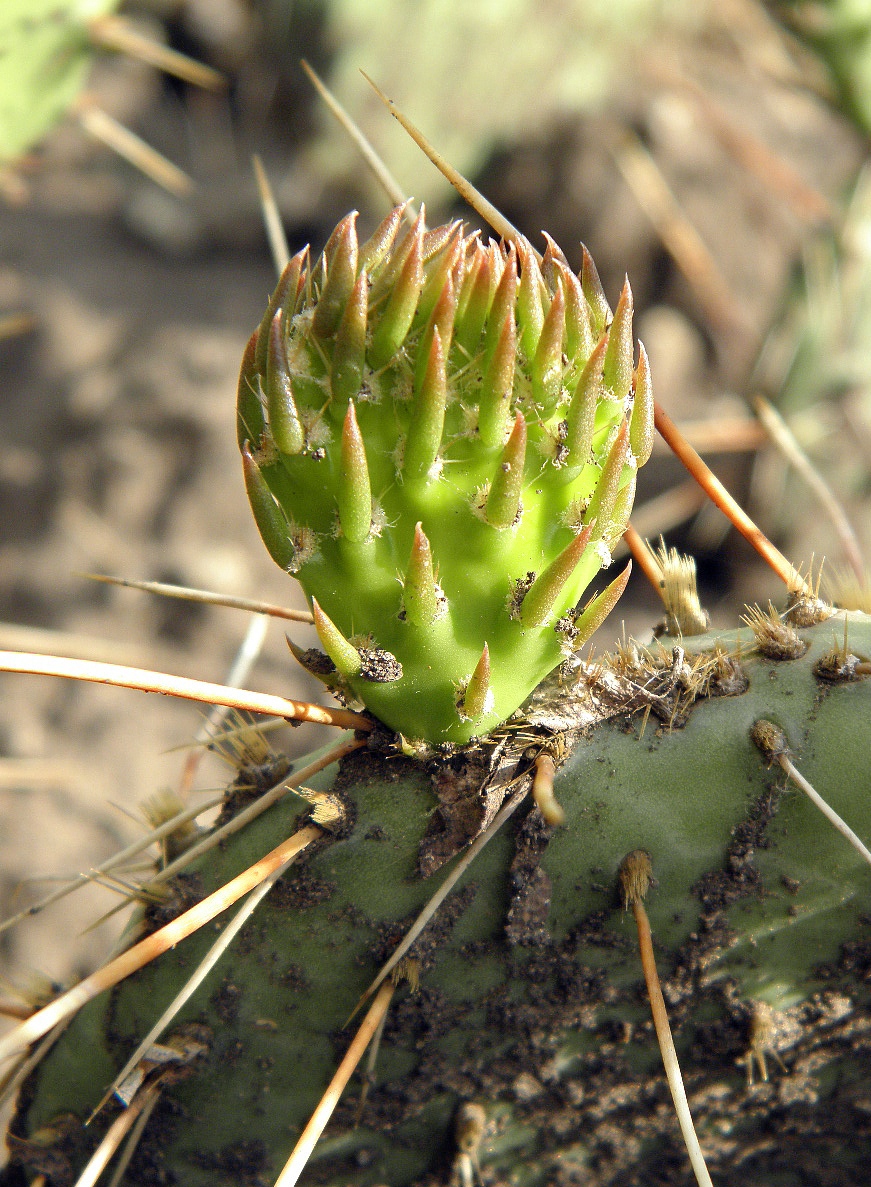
<point>45,55</point>
<point>531,1003</point>
<point>440,442</point>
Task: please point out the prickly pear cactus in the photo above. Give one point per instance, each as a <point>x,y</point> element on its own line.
<point>45,55</point>
<point>440,441</point>
<point>527,1049</point>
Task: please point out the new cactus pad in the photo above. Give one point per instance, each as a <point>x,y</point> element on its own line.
<point>440,439</point>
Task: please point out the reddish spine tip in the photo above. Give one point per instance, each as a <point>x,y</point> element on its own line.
<point>428,415</point>
<point>641,427</point>
<point>355,494</point>
<point>477,698</point>
<point>340,258</point>
<point>542,596</point>
<point>593,291</point>
<point>618,365</point>
<point>285,427</point>
<point>503,500</point>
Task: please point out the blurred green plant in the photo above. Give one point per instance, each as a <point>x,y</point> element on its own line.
<point>839,32</point>
<point>46,53</point>
<point>533,64</point>
<point>815,366</point>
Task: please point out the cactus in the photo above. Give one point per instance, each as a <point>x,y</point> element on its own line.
<point>528,1004</point>
<point>436,410</point>
<point>47,51</point>
<point>521,1049</point>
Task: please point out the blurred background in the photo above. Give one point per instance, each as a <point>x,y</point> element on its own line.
<point>715,152</point>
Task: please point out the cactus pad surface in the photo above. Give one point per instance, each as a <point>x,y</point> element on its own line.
<point>531,1006</point>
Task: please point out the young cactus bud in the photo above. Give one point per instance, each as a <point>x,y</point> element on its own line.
<point>396,319</point>
<point>344,654</point>
<point>547,364</point>
<point>341,269</point>
<point>354,493</point>
<point>250,421</point>
<point>530,302</point>
<point>503,501</point>
<point>428,417</point>
<point>581,418</point>
<point>456,413</point>
<point>498,386</point>
<point>641,423</point>
<point>474,298</point>
<point>580,332</point>
<point>349,353</point>
<point>285,426</point>
<point>269,517</point>
<point>544,591</point>
<point>595,294</point>
<point>477,695</point>
<point>420,593</point>
<point>601,505</point>
<point>617,367</point>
